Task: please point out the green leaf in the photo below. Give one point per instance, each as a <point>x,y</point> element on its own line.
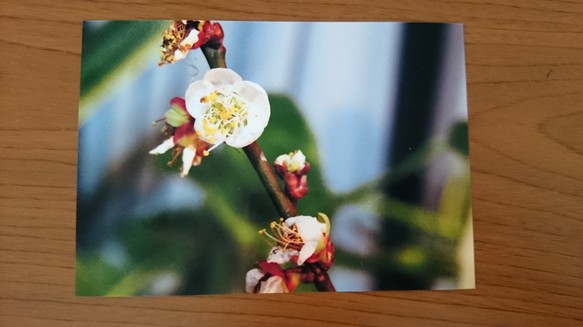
<point>132,283</point>
<point>110,50</point>
<point>193,244</point>
<point>94,276</point>
<point>455,204</point>
<point>458,138</point>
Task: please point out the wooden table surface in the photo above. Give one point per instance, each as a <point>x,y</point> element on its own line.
<point>525,89</point>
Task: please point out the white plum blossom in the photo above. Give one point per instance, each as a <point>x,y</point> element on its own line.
<point>304,234</point>
<point>311,232</point>
<point>227,109</point>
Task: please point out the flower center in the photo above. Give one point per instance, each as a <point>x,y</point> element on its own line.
<point>283,236</point>
<point>223,114</point>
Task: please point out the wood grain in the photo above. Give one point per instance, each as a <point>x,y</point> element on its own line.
<point>525,75</point>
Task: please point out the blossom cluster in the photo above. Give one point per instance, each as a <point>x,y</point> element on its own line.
<point>302,251</point>
<point>222,108</point>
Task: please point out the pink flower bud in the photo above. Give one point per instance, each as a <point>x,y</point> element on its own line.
<point>296,186</point>
<point>292,168</point>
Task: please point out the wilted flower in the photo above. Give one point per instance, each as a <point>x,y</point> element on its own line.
<point>184,139</point>
<point>185,35</point>
<point>271,278</point>
<point>304,234</point>
<point>227,109</point>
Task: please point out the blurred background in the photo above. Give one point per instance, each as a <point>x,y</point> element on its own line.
<point>379,109</point>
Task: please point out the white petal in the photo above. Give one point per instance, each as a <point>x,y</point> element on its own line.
<point>188,155</point>
<point>297,219</point>
<point>297,162</point>
<point>279,256</point>
<point>165,146</point>
<point>309,228</point>
<point>299,157</point>
<point>179,55</point>
<point>191,39</point>
<point>258,102</point>
<point>252,278</point>
<point>194,93</point>
<point>255,125</point>
<point>257,116</point>
<point>273,284</point>
<point>281,159</point>
<point>307,250</point>
<point>242,137</point>
<point>222,76</point>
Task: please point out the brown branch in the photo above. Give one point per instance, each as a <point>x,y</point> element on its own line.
<point>284,206</point>
<point>322,280</point>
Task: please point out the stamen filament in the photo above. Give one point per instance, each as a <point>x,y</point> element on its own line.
<point>268,238</point>
<point>273,240</point>
<point>207,152</point>
<point>286,234</point>
<point>223,113</point>
<point>283,237</point>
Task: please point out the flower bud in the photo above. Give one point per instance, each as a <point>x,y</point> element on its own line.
<point>296,186</point>
<point>293,162</point>
<point>292,168</point>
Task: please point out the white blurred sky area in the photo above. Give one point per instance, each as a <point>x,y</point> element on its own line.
<point>342,76</point>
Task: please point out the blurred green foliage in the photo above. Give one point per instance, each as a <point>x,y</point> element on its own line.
<point>110,49</point>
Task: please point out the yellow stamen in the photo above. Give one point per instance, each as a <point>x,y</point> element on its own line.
<point>283,236</point>
<point>223,113</point>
